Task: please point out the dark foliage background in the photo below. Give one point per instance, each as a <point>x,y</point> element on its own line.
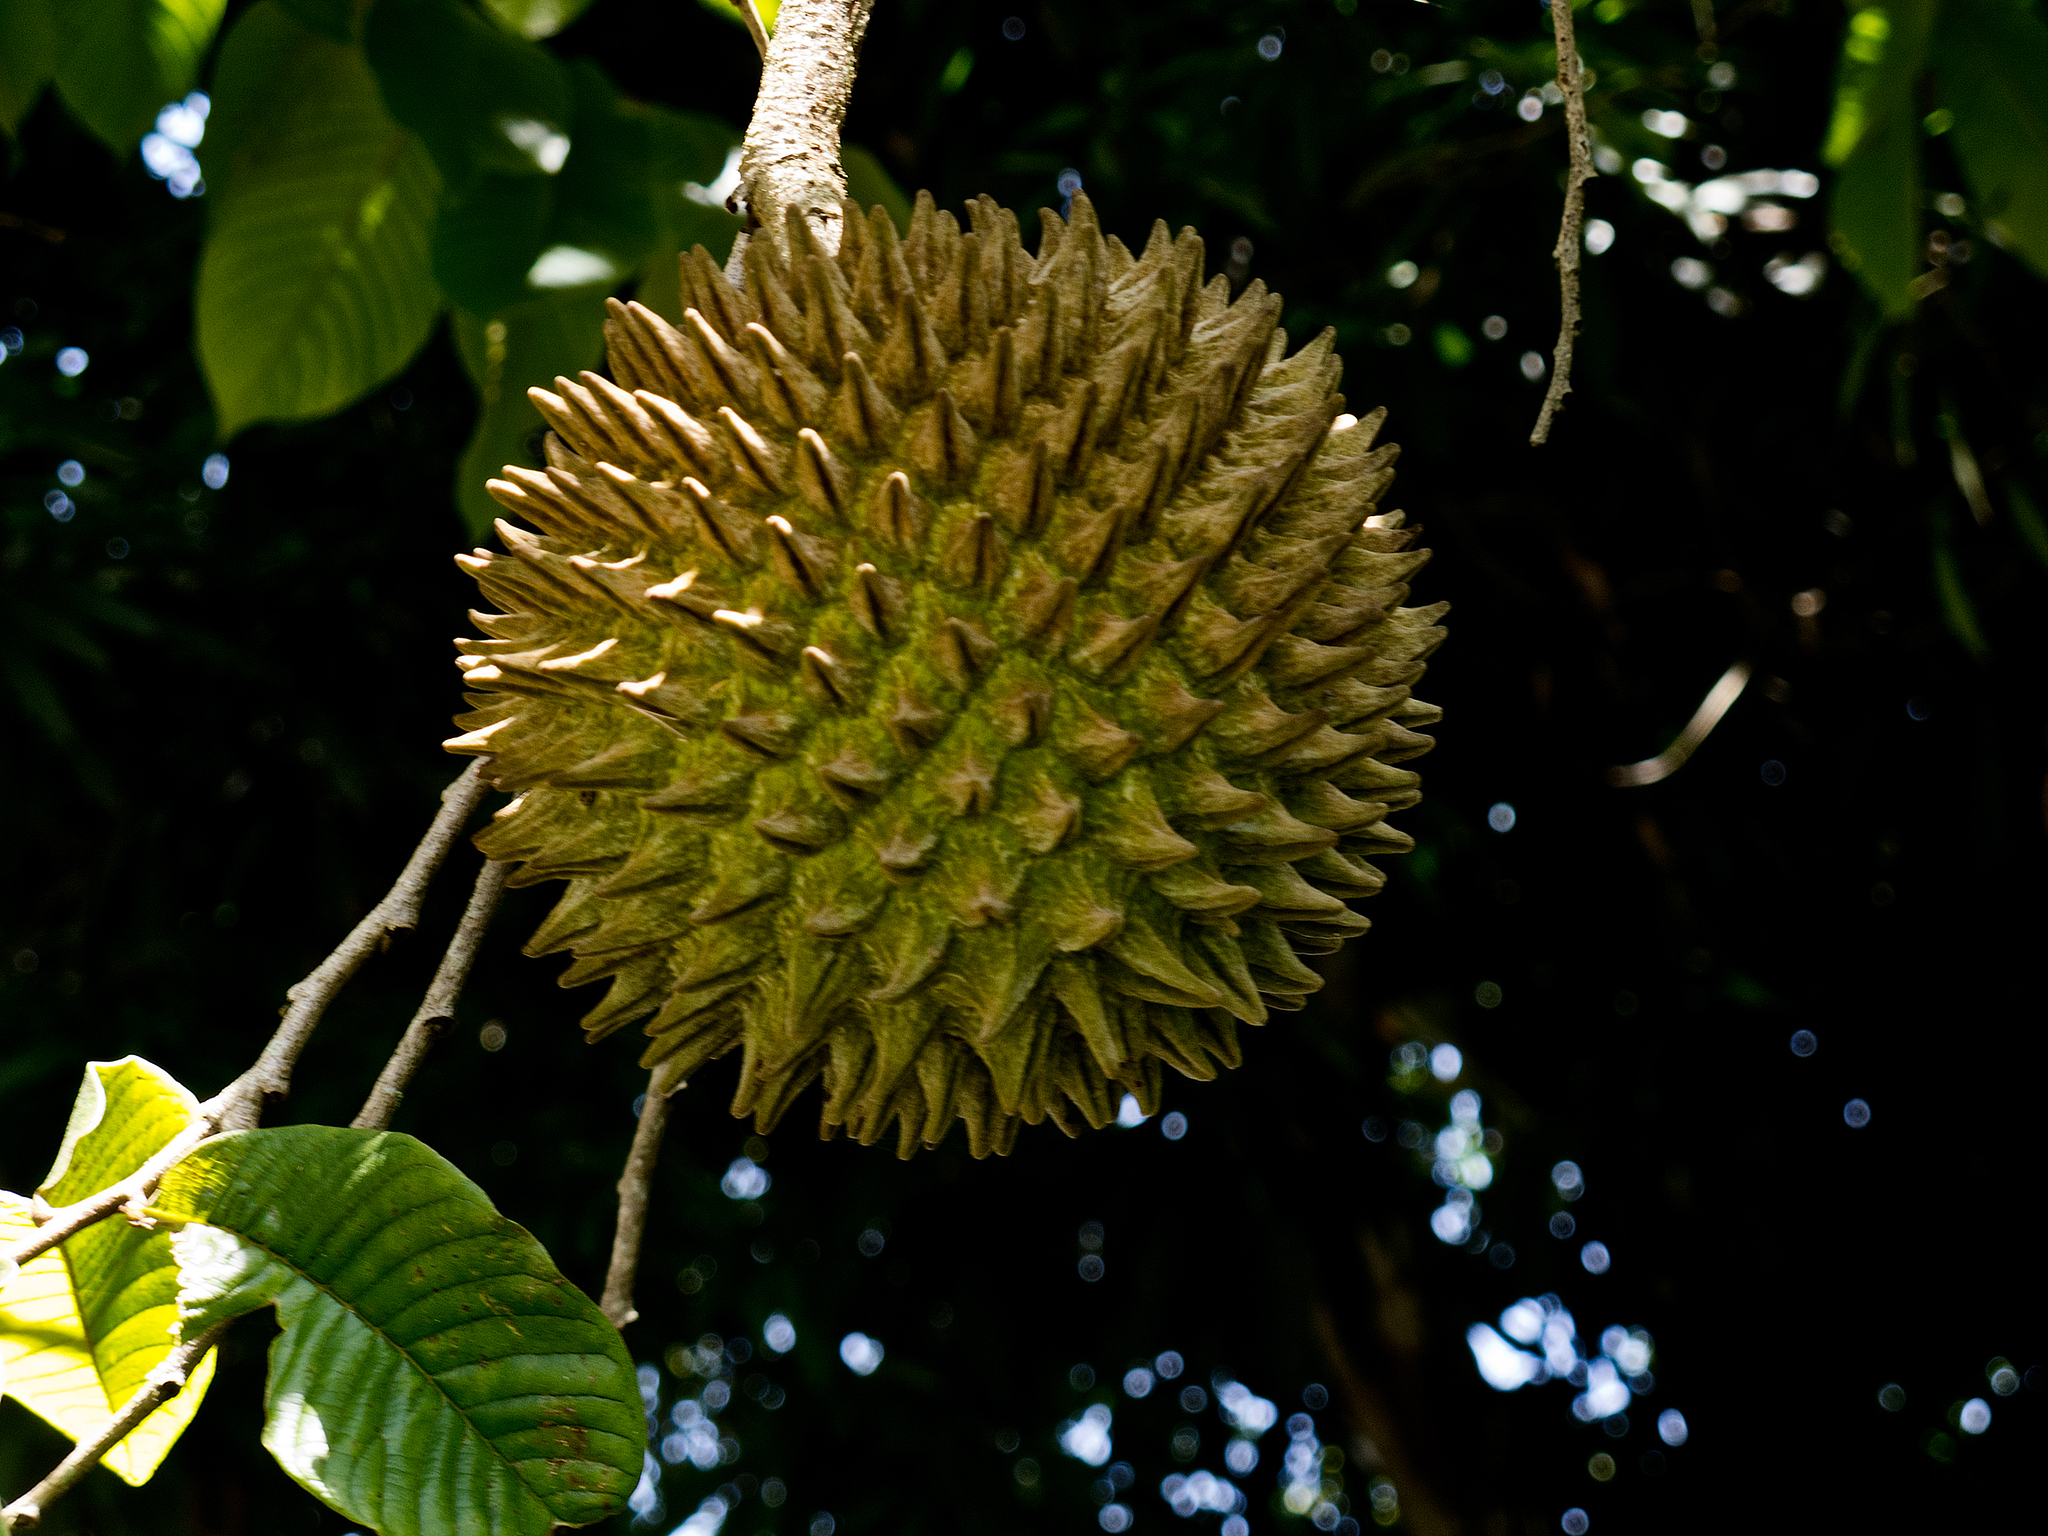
<point>220,743</point>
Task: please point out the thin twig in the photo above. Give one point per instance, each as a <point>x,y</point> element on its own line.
<point>791,158</point>
<point>238,1105</point>
<point>757,29</point>
<point>1719,700</point>
<point>1571,229</point>
<point>158,1388</point>
<point>130,1194</point>
<point>634,1184</point>
<point>437,1012</point>
<point>271,1076</point>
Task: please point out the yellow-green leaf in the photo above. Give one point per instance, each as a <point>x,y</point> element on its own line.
<point>1884,51</point>
<point>315,285</point>
<point>120,61</point>
<point>82,1324</point>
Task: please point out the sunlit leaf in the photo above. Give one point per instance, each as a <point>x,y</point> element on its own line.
<point>1991,62</point>
<point>529,343</point>
<point>315,284</point>
<point>1884,51</point>
<point>482,100</point>
<point>1876,214</point>
<point>84,1323</point>
<point>120,61</point>
<point>536,18</point>
<point>435,1374</point>
<point>28,57</point>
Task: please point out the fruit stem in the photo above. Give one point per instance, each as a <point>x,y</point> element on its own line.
<point>791,157</point>
<point>1571,228</point>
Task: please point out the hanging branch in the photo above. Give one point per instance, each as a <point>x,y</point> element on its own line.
<point>634,1185</point>
<point>791,158</point>
<point>238,1106</point>
<point>158,1388</point>
<point>271,1076</point>
<point>1571,228</point>
<point>437,1012</point>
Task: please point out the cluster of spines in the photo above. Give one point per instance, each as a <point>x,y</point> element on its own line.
<point>966,678</point>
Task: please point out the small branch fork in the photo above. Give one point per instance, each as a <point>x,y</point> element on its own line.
<point>158,1388</point>
<point>240,1105</point>
<point>271,1076</point>
<point>1571,228</point>
<point>634,1185</point>
<point>437,1012</point>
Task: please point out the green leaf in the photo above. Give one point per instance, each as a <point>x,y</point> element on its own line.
<point>435,1374</point>
<point>536,18</point>
<point>339,21</point>
<point>1957,610</point>
<point>1989,58</point>
<point>1876,214</point>
<point>315,283</point>
<point>120,61</point>
<point>82,1324</point>
<point>1884,51</point>
<point>28,57</point>
<point>529,343</point>
<point>868,184</point>
<point>481,99</point>
<point>2027,518</point>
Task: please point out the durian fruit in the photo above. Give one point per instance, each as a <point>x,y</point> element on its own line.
<point>970,678</point>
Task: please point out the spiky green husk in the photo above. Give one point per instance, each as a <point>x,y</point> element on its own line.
<point>968,678</point>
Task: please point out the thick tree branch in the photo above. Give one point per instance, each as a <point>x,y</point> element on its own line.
<point>1571,229</point>
<point>158,1388</point>
<point>634,1185</point>
<point>791,158</point>
<point>437,1012</point>
<point>271,1076</point>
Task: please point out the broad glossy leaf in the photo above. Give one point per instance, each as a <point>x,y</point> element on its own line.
<point>1875,211</point>
<point>435,1375</point>
<point>1990,57</point>
<point>502,239</point>
<point>120,61</point>
<point>83,1324</point>
<point>529,343</point>
<point>481,99</point>
<point>28,57</point>
<point>536,18</point>
<point>315,284</point>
